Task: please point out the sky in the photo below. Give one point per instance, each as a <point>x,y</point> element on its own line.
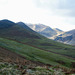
<point>54,13</point>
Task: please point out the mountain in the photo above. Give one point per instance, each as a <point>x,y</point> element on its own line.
<point>55,34</point>
<point>6,23</point>
<point>24,26</point>
<point>58,31</point>
<point>12,30</point>
<point>48,32</point>
<point>18,38</point>
<point>67,37</point>
<point>45,30</point>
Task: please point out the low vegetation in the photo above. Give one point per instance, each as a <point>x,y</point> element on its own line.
<point>14,69</point>
<point>9,69</point>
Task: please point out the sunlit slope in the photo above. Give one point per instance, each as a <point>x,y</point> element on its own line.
<point>35,54</point>
<point>50,45</point>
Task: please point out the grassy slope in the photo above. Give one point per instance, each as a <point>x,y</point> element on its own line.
<point>18,33</point>
<point>36,40</point>
<point>51,45</point>
<point>35,54</point>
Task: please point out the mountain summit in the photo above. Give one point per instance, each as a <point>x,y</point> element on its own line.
<point>19,30</point>
<point>45,30</point>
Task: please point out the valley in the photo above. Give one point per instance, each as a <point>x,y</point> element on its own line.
<point>22,46</point>
<point>67,37</point>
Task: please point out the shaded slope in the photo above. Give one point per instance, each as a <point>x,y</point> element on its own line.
<point>14,31</point>
<point>24,26</point>
<point>6,23</point>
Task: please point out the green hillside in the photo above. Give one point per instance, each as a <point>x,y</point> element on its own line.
<point>23,34</point>
<point>19,38</point>
<point>50,45</point>
<point>9,29</point>
<point>35,54</point>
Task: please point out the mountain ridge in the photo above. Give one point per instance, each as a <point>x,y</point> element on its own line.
<point>55,33</point>
<point>67,37</point>
<point>45,30</point>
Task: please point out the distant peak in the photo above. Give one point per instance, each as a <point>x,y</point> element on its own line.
<point>42,25</point>
<point>57,29</point>
<point>21,23</point>
<point>6,20</point>
<point>6,23</point>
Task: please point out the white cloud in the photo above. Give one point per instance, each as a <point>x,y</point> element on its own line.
<point>53,13</point>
